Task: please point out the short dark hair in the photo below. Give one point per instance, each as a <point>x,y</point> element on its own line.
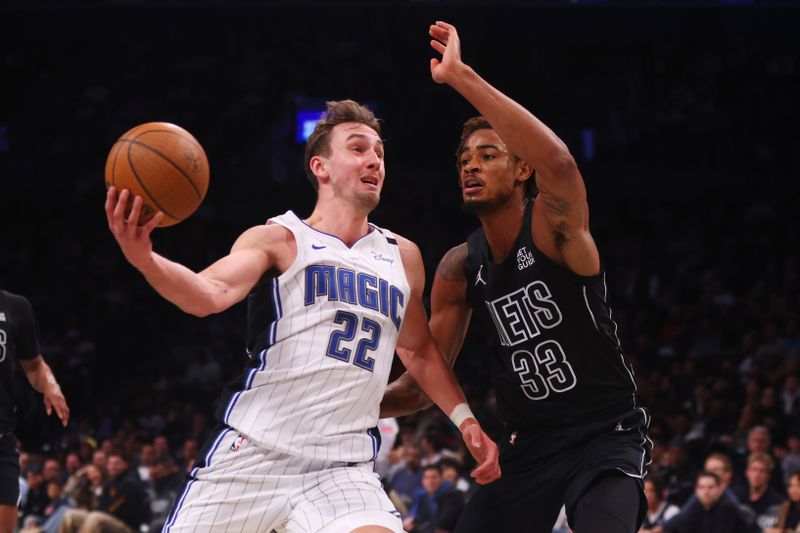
<point>338,112</point>
<point>706,473</point>
<point>479,123</point>
<point>432,466</point>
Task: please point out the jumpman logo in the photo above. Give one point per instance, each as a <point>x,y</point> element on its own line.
<point>479,278</point>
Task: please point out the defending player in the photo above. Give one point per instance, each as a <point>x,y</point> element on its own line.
<point>18,342</point>
<point>574,433</point>
<point>295,447</point>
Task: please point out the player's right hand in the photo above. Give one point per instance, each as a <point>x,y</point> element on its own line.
<point>133,239</point>
<point>484,450</point>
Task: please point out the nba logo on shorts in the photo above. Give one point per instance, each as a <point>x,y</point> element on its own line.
<point>237,443</point>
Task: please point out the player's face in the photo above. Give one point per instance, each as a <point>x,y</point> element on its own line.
<point>707,491</point>
<point>355,165</point>
<point>489,172</point>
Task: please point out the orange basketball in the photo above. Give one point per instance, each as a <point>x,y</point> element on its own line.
<point>163,164</point>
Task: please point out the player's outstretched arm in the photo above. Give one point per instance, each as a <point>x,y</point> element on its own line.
<point>450,316</point>
<point>42,380</point>
<point>216,288</point>
<point>425,364</point>
<point>561,212</point>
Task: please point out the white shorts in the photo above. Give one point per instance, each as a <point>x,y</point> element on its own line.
<point>241,487</point>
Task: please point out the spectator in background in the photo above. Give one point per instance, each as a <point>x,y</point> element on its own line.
<point>406,481</point>
<point>188,454</point>
<point>715,514</point>
<point>163,488</point>
<point>789,511</point>
<point>52,471</point>
<point>123,505</point>
<point>759,496</point>
<point>678,473</point>
<point>436,508</point>
<point>37,498</point>
<point>451,471</point>
<point>790,460</point>
<point>758,441</point>
<point>147,457</point>
<point>658,509</point>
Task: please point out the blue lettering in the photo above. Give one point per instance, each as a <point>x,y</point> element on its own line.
<point>347,285</point>
<point>397,302</point>
<point>320,280</point>
<point>368,297</point>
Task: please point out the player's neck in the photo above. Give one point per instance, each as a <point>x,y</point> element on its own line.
<point>344,223</point>
<point>501,228</point>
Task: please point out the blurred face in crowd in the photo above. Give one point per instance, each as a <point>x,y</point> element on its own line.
<point>72,463</point>
<point>794,488</point>
<point>147,455</point>
<point>411,456</point>
<point>161,445</point>
<point>116,465</point>
<point>652,495</point>
<point>431,480</point>
<point>707,491</point>
<point>52,470</point>
<point>758,441</point>
<point>719,468</point>
<point>53,490</point>
<point>450,473</point>
<point>94,475</point>
<point>757,475</point>
<point>99,459</point>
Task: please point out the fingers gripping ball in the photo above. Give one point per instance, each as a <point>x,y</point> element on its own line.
<point>163,164</point>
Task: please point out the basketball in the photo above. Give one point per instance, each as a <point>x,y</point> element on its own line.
<point>165,165</point>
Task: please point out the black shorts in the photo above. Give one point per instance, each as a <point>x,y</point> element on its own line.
<point>9,470</point>
<point>543,470</point>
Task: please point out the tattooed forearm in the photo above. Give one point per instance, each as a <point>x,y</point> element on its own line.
<point>451,267</point>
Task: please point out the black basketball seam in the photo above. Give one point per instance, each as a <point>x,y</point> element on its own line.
<point>141,183</point>
<point>168,160</point>
<point>171,132</point>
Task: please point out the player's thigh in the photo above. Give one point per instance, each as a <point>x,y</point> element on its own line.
<point>613,503</point>
<point>343,499</point>
<point>510,505</point>
<point>234,486</point>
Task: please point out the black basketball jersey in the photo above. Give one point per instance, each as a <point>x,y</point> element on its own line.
<point>17,341</point>
<point>558,358</point>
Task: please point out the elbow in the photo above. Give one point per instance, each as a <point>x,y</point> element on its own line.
<point>560,162</point>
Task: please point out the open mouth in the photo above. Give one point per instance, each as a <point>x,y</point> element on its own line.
<point>472,185</point>
<point>370,180</point>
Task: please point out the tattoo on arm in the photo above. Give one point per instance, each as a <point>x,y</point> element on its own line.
<point>451,267</point>
<point>556,205</point>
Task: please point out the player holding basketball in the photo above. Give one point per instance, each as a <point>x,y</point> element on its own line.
<point>295,445</point>
<point>574,434</point>
<point>18,342</point>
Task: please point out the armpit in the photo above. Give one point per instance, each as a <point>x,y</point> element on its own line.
<point>451,267</point>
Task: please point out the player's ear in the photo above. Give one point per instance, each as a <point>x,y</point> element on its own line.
<point>319,167</point>
<point>524,170</point>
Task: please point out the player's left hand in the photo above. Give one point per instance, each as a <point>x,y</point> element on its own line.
<point>54,400</point>
<point>446,42</point>
<point>484,450</point>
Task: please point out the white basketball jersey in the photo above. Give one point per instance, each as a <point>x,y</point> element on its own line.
<point>319,368</point>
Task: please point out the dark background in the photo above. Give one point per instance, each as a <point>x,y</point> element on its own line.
<point>692,108</point>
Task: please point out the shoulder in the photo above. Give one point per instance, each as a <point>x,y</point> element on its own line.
<point>451,267</point>
<point>264,236</point>
<point>409,251</point>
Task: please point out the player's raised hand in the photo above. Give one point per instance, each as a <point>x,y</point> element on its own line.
<point>484,450</point>
<point>133,239</point>
<point>54,400</point>
<point>446,42</point>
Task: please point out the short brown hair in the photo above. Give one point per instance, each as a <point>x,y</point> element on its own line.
<point>337,112</point>
<point>763,458</point>
<point>479,123</point>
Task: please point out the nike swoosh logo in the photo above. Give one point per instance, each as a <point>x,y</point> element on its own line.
<point>314,246</point>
